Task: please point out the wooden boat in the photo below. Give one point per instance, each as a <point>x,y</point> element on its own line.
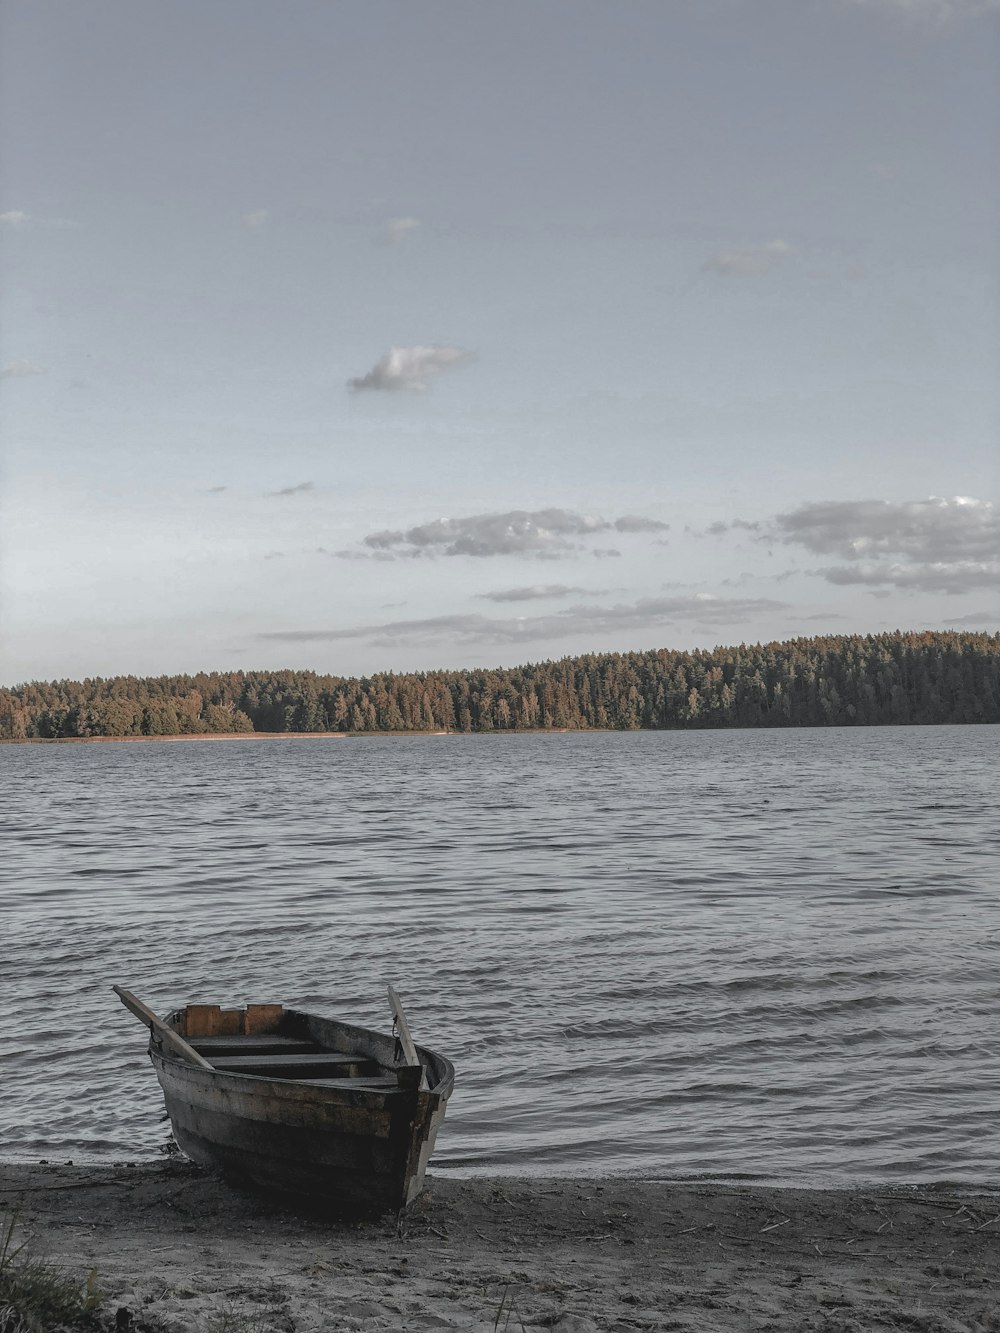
<point>322,1113</point>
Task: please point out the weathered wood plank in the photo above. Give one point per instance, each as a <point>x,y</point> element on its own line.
<point>203,1020</point>
<point>405,1040</point>
<point>257,1045</point>
<point>387,1081</point>
<point>262,1018</point>
<point>318,1064</point>
<point>172,1040</point>
<point>287,1110</point>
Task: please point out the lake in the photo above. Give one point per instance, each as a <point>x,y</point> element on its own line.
<point>771,955</point>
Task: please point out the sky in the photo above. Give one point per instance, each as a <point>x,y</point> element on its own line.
<point>414,334</point>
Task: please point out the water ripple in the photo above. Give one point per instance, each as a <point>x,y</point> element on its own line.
<point>765,955</point>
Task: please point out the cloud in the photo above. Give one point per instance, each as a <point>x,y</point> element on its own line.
<point>935,545</point>
<point>260,217</point>
<point>717,529</point>
<point>294,490</point>
<point>14,217</point>
<point>941,10</point>
<point>636,523</point>
<point>16,370</point>
<point>959,577</point>
<point>960,528</point>
<point>644,615</point>
<point>409,368</point>
<point>537,592</point>
<point>396,229</point>
<point>358,555</point>
<point>748,260</point>
<point>987,618</point>
<point>541,534</point>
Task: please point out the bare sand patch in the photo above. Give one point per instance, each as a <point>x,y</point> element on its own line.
<point>172,1243</point>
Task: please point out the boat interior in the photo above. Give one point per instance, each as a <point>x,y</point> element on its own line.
<point>271,1042</point>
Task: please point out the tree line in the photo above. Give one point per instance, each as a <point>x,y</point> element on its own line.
<point>846,680</point>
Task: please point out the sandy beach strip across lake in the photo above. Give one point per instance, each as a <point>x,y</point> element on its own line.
<point>176,1248</point>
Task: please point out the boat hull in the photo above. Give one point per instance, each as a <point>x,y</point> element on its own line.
<point>349,1150</point>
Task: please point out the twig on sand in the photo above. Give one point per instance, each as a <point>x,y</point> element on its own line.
<point>508,1308</point>
<point>773,1226</point>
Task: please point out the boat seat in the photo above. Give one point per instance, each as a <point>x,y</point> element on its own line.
<point>320,1064</point>
<point>350,1084</point>
<point>254,1045</point>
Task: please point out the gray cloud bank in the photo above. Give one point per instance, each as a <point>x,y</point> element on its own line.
<point>538,534</point>
<point>645,614</point>
<point>409,368</point>
<point>935,545</point>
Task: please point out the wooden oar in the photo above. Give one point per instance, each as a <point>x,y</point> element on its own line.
<point>166,1034</point>
<point>405,1040</point>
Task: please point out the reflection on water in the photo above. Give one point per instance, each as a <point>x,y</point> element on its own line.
<point>771,954</point>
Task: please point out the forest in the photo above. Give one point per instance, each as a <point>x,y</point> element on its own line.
<point>846,680</point>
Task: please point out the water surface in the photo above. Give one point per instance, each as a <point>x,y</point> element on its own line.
<point>734,953</point>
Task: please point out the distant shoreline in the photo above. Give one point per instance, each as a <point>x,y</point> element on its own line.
<point>188,736</point>
<point>284,736</point>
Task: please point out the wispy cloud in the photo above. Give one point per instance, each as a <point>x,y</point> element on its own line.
<point>397,229</point>
<point>535,593</point>
<point>745,261</point>
<point>260,217</point>
<point>16,370</point>
<point>538,534</point>
<point>737,525</point>
<point>939,10</point>
<point>636,523</point>
<point>986,619</point>
<point>647,614</point>
<point>409,368</point>
<point>935,545</point>
<point>294,490</point>
<point>14,217</point>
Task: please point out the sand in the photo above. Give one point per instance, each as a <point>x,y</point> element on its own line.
<point>173,1244</point>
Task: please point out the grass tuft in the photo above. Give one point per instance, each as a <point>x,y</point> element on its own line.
<point>38,1297</point>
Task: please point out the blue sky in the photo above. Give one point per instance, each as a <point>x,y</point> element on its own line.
<point>380,335</point>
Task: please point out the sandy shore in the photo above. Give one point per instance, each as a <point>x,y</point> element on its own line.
<point>174,1244</point>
